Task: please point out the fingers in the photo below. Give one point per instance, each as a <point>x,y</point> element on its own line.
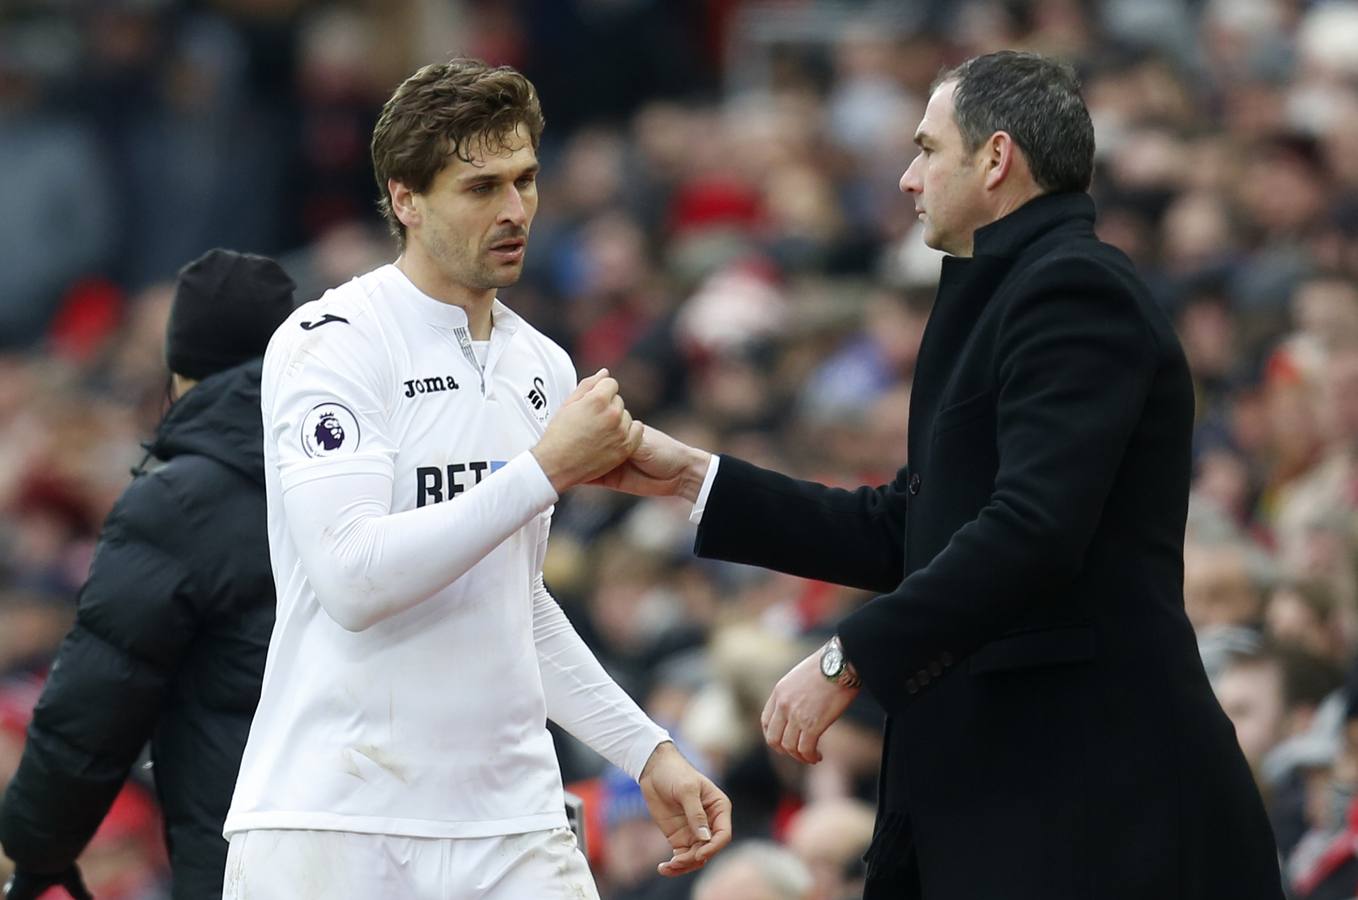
<point>644,448</point>
<point>586,385</point>
<point>789,737</point>
<point>718,807</point>
<point>691,800</point>
<point>681,862</point>
<point>605,389</point>
<point>773,731</point>
<point>793,741</point>
<point>806,746</point>
<point>587,442</point>
<point>634,437</point>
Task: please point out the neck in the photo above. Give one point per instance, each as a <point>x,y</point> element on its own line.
<point>426,276</point>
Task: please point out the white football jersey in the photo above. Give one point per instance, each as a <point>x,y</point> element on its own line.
<point>431,721</point>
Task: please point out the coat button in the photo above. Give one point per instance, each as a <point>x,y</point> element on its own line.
<point>922,676</point>
<point>945,657</point>
<point>935,668</point>
<point>912,686</point>
<point>914,484</point>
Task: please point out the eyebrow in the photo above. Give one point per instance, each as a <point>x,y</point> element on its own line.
<point>472,178</point>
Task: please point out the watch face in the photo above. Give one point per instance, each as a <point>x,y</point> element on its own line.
<point>831,662</point>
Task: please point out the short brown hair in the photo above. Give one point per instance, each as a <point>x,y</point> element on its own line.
<point>439,112</point>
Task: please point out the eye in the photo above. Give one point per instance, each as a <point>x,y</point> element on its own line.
<point>483,188</point>
<point>527,180</point>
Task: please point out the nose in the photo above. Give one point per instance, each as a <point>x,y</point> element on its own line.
<point>514,212</point>
<point>910,183</point>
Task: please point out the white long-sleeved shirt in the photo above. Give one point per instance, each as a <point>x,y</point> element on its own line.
<point>416,655</point>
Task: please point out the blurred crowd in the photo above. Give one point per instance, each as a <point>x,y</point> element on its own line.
<point>721,226</point>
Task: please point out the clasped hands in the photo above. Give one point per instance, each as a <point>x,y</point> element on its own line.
<point>593,439</point>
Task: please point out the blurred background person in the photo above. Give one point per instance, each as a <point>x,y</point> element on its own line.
<point>172,626</point>
<point>755,870</point>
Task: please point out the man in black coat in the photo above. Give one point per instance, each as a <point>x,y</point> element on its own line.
<point>174,622</point>
<point>1050,732</point>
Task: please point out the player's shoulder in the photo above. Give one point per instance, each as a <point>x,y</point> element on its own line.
<point>343,321</point>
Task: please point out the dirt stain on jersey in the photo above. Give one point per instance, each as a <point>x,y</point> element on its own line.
<point>383,760</point>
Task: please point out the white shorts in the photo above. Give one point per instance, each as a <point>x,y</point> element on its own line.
<point>336,865</point>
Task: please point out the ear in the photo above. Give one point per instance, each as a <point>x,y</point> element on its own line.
<point>1000,156</point>
<point>403,203</point>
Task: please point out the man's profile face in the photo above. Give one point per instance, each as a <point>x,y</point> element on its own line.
<point>945,181</point>
<point>476,215</point>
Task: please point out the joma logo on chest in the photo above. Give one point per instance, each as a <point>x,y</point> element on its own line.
<point>430,385</point>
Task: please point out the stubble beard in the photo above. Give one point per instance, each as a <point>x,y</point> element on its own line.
<point>487,276</point>
<point>476,273</point>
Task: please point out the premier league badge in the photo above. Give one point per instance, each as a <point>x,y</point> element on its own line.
<point>328,430</point>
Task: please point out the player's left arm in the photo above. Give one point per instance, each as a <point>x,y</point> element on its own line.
<point>581,696</point>
<point>688,807</point>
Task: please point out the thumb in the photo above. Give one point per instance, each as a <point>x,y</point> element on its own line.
<point>634,436</point>
<point>689,797</point>
<point>585,384</point>
<point>645,449</point>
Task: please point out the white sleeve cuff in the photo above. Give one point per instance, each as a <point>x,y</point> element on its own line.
<point>541,485</point>
<point>696,517</point>
<point>641,751</point>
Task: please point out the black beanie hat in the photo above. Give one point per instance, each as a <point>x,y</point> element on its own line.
<point>226,307</point>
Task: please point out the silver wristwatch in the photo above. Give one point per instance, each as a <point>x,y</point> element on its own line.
<point>835,667</point>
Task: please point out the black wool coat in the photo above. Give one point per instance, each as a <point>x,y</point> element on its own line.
<point>1050,734</point>
<point>168,646</point>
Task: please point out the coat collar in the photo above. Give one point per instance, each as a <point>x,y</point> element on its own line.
<point>1009,235</point>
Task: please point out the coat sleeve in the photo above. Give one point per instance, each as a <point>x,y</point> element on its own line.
<point>762,518</point>
<point>104,694</point>
<point>1074,368</point>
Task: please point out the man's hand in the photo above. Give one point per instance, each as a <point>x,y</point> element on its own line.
<point>32,885</point>
<point>803,704</point>
<point>693,813</point>
<point>590,434</point>
<point>660,467</point>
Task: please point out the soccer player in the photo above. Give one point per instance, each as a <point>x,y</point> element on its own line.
<point>417,435</point>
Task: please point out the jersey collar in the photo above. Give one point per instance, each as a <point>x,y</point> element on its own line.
<point>449,315</point>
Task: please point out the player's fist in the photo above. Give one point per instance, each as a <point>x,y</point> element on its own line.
<point>589,435</point>
<point>660,467</point>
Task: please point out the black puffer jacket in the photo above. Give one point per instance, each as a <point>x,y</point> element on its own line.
<point>168,645</point>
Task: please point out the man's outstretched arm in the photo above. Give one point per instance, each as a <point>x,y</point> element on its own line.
<point>762,518</point>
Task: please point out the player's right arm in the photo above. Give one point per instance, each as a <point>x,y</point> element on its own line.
<point>324,411</point>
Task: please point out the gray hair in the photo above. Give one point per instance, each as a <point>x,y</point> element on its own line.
<point>782,872</point>
<point>1037,101</point>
